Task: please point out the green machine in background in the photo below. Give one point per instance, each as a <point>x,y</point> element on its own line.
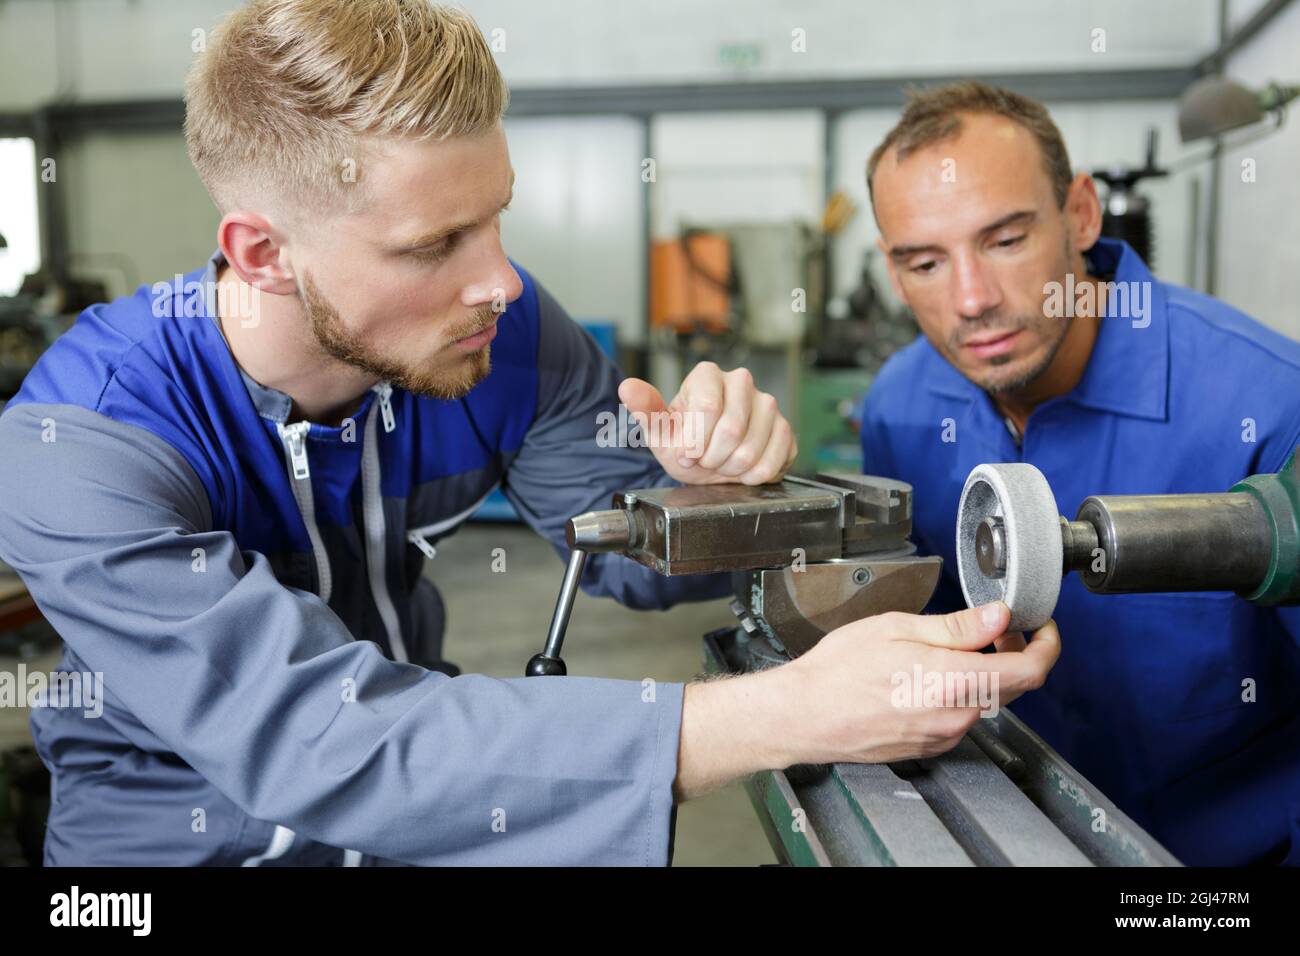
<point>845,353</point>
<point>827,428</point>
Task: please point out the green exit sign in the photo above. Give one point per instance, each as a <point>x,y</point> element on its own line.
<point>739,56</point>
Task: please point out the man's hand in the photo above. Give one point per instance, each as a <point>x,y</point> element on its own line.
<point>839,702</point>
<point>852,712</point>
<point>718,429</point>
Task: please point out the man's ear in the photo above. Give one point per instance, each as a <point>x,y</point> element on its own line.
<point>892,269</point>
<point>1083,212</point>
<point>254,250</point>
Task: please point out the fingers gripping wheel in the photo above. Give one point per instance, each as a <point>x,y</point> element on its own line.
<point>1009,542</point>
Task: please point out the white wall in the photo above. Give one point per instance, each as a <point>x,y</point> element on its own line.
<point>598,41</point>
<point>1259,222</point>
<point>119,49</point>
<point>98,49</point>
<point>728,168</point>
<point>575,221</point>
<point>137,212</point>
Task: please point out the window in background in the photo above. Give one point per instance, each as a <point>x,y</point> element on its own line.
<point>18,218</point>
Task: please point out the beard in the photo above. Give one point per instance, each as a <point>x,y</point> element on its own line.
<point>431,382</point>
<point>996,377</point>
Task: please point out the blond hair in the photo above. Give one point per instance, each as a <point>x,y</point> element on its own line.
<point>289,91</point>
<point>935,114</point>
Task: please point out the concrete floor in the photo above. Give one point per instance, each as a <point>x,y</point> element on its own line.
<point>496,622</point>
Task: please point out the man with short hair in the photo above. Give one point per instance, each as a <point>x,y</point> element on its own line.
<point>219,494</point>
<point>1044,343</point>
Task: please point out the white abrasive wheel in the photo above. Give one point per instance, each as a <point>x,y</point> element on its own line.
<point>1016,556</point>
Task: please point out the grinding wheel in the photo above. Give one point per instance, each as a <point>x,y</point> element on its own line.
<point>1009,542</point>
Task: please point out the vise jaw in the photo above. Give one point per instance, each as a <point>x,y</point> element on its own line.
<point>806,555</point>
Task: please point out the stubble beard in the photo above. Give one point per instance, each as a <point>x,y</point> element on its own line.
<point>330,334</point>
<point>1048,328</point>
<point>1002,385</point>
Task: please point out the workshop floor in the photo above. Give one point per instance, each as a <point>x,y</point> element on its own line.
<point>494,633</point>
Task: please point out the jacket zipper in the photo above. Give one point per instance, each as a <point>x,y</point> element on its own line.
<point>373,515</point>
<point>420,536</point>
<point>281,840</point>
<point>294,439</point>
<point>386,406</point>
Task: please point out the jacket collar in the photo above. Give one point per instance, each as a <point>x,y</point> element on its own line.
<point>1128,370</point>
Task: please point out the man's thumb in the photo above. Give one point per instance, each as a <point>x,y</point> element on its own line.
<point>967,630</point>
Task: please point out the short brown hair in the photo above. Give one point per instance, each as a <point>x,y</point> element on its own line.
<point>287,91</point>
<point>934,115</point>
